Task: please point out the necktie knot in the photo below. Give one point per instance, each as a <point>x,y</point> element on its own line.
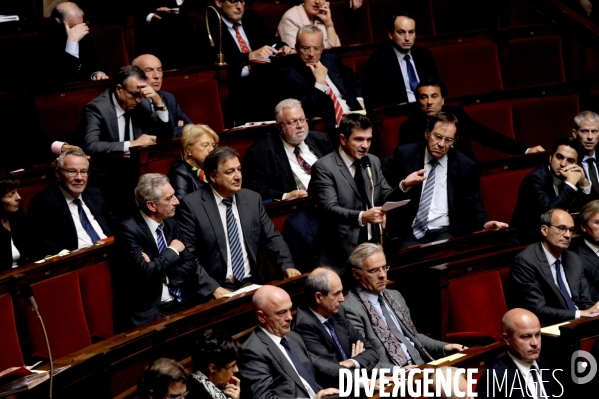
<point>228,202</point>
<point>590,160</point>
<point>159,229</point>
<point>77,201</point>
<point>296,150</point>
<point>433,162</point>
<point>407,57</point>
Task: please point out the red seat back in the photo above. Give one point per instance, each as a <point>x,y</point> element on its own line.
<point>497,116</point>
<point>501,207</point>
<point>9,339</point>
<point>535,61</point>
<point>352,26</point>
<point>96,295</point>
<point>109,42</point>
<point>390,134</point>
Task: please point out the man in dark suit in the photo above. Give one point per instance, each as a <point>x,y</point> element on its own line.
<point>325,87</point>
<point>225,226</point>
<point>586,131</point>
<point>587,246</point>
<point>393,71</point>
<point>167,276</point>
<point>441,184</point>
<point>521,372</point>
<point>68,216</point>
<point>274,361</point>
<point>122,116</point>
<point>350,213</point>
<point>561,184</point>
<point>328,335</point>
<point>430,101</point>
<point>152,67</point>
<point>548,280</point>
<point>279,166</point>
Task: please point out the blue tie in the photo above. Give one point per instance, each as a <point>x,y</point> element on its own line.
<point>234,244</point>
<point>562,285</point>
<point>87,226</point>
<point>301,370</point>
<point>421,220</point>
<point>176,291</point>
<point>336,339</point>
<point>411,73</point>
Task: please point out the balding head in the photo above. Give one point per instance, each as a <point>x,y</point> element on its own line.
<point>272,306</point>
<point>68,12</point>
<point>152,67</point>
<point>522,334</point>
<point>324,291</point>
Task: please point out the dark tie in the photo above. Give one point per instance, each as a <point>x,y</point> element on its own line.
<point>128,126</point>
<point>421,221</point>
<point>411,73</point>
<point>87,226</point>
<point>302,162</point>
<point>359,179</point>
<point>301,370</point>
<point>234,244</point>
<point>593,174</point>
<point>174,291</point>
<point>534,372</point>
<point>562,285</point>
<point>416,358</point>
<point>336,339</point>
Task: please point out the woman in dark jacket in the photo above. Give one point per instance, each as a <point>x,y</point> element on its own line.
<point>13,233</point>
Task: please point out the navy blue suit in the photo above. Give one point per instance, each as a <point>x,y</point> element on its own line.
<point>175,113</point>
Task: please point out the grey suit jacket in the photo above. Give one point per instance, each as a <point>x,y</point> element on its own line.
<point>265,371</point>
<point>590,263</point>
<point>98,130</point>
<point>358,315</point>
<point>532,286</point>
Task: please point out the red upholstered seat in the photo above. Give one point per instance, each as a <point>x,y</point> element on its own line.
<point>352,26</point>
<point>501,207</point>
<point>469,69</point>
<point>270,12</point>
<point>497,116</point>
<point>241,149</point>
<point>59,301</point>
<point>96,295</point>
<point>390,133</point>
<point>10,349</point>
<point>109,42</point>
<point>535,61</point>
<point>421,11</point>
<point>279,222</point>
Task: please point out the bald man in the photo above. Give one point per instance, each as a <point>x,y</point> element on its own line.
<point>152,67</point>
<point>274,361</point>
<point>522,367</point>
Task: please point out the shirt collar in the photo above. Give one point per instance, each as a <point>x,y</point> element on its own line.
<point>428,157</point>
<point>68,195</point>
<point>229,23</point>
<point>117,107</point>
<point>320,317</point>
<point>219,198</point>
<point>556,180</point>
<point>550,258</point>
<point>302,146</point>
<point>348,161</point>
<point>152,224</point>
<point>276,339</point>
<point>523,367</point>
<point>593,247</point>
<point>400,54</point>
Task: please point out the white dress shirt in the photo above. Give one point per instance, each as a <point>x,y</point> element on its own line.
<point>16,255</point>
<point>404,72</point>
<point>551,260</point>
<point>308,156</point>
<point>530,382</point>
<point>246,69</point>
<point>592,246</point>
<point>83,239</point>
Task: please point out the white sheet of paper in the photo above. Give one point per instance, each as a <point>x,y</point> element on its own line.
<point>392,205</point>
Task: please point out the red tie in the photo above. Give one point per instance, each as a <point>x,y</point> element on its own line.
<point>336,104</point>
<point>242,44</point>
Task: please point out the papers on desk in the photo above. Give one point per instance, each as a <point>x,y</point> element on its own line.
<point>359,111</point>
<point>242,290</point>
<point>392,205</point>
<point>553,331</point>
<point>250,124</point>
<point>8,18</point>
<point>446,359</point>
<point>18,379</point>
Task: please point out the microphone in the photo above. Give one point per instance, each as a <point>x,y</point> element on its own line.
<point>367,167</point>
<point>27,292</point>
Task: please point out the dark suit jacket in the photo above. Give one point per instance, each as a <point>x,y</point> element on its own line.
<point>98,130</point>
<point>264,370</point>
<point>532,285</point>
<point>51,224</point>
<point>505,366</point>
<point>175,113</point>
<point>466,211</point>
<point>590,263</point>
<point>183,180</point>
<point>19,236</point>
<point>142,298</point>
<point>412,131</point>
<point>537,196</point>
<point>299,232</point>
<point>383,80</point>
<point>266,168</point>
<point>299,82</point>
<point>204,233</point>
<point>338,198</point>
<point>319,343</point>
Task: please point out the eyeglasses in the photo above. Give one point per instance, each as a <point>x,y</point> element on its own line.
<point>180,396</point>
<point>136,94</point>
<point>447,140</point>
<point>73,172</point>
<point>235,1</point>
<point>563,229</point>
<point>294,122</point>
<point>378,270</point>
<point>308,49</point>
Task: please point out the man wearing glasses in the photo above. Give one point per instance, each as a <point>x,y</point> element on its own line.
<point>547,279</point>
<point>68,216</point>
<point>441,184</point>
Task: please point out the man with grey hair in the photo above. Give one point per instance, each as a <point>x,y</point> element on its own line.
<point>382,316</point>
<point>587,245</point>
<point>167,275</point>
<point>586,131</point>
<point>328,335</point>
<point>68,216</point>
<point>279,166</point>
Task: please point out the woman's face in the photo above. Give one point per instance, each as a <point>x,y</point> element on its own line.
<point>200,149</point>
<point>312,7</point>
<point>222,375</point>
<point>10,201</point>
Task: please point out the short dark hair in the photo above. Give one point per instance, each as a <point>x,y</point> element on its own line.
<point>126,72</point>
<point>569,142</point>
<point>545,219</point>
<point>318,282</point>
<point>352,122</point>
<point>432,82</point>
<point>218,155</point>
<point>154,380</point>
<point>391,20</point>
<point>443,117</point>
<point>214,347</point>
<point>8,182</point>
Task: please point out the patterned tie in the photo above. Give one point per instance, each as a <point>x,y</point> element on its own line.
<point>302,162</point>
<point>242,44</point>
<point>562,285</point>
<point>174,291</point>
<point>416,358</point>
<point>127,116</point>
<point>301,370</point>
<point>411,73</point>
<point>421,220</point>
<point>336,104</point>
<point>593,174</point>
<point>87,226</point>
<point>234,244</point>
<point>336,339</point>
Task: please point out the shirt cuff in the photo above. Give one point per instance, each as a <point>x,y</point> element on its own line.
<point>573,186</point>
<point>72,48</point>
<point>94,74</point>
<point>177,252</point>
<point>360,219</point>
<point>284,196</point>
<point>322,88</point>
<point>587,189</point>
<point>163,115</point>
<point>577,314</point>
<point>403,188</point>
<point>56,147</point>
<point>355,363</point>
<point>126,146</point>
<point>526,152</point>
<point>149,17</point>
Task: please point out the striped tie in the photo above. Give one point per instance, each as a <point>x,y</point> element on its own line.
<point>174,291</point>
<point>336,104</point>
<point>421,220</point>
<point>234,244</point>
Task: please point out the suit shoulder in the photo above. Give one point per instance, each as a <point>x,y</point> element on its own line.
<point>264,144</point>
<point>194,197</point>
<point>462,159</point>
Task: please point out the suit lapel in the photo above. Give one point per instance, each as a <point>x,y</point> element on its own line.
<point>417,165</point>
<point>112,118</point>
<point>342,335</point>
<point>95,209</point>
<point>395,73</point>
<point>66,213</point>
<point>211,209</point>
<point>570,275</point>
<point>281,156</point>
<point>346,173</point>
<point>146,234</point>
<point>452,171</point>
<point>546,270</point>
<point>245,218</point>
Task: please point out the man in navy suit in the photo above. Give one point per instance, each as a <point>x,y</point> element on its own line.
<point>152,67</point>
<point>68,216</point>
<point>587,245</point>
<point>167,275</point>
